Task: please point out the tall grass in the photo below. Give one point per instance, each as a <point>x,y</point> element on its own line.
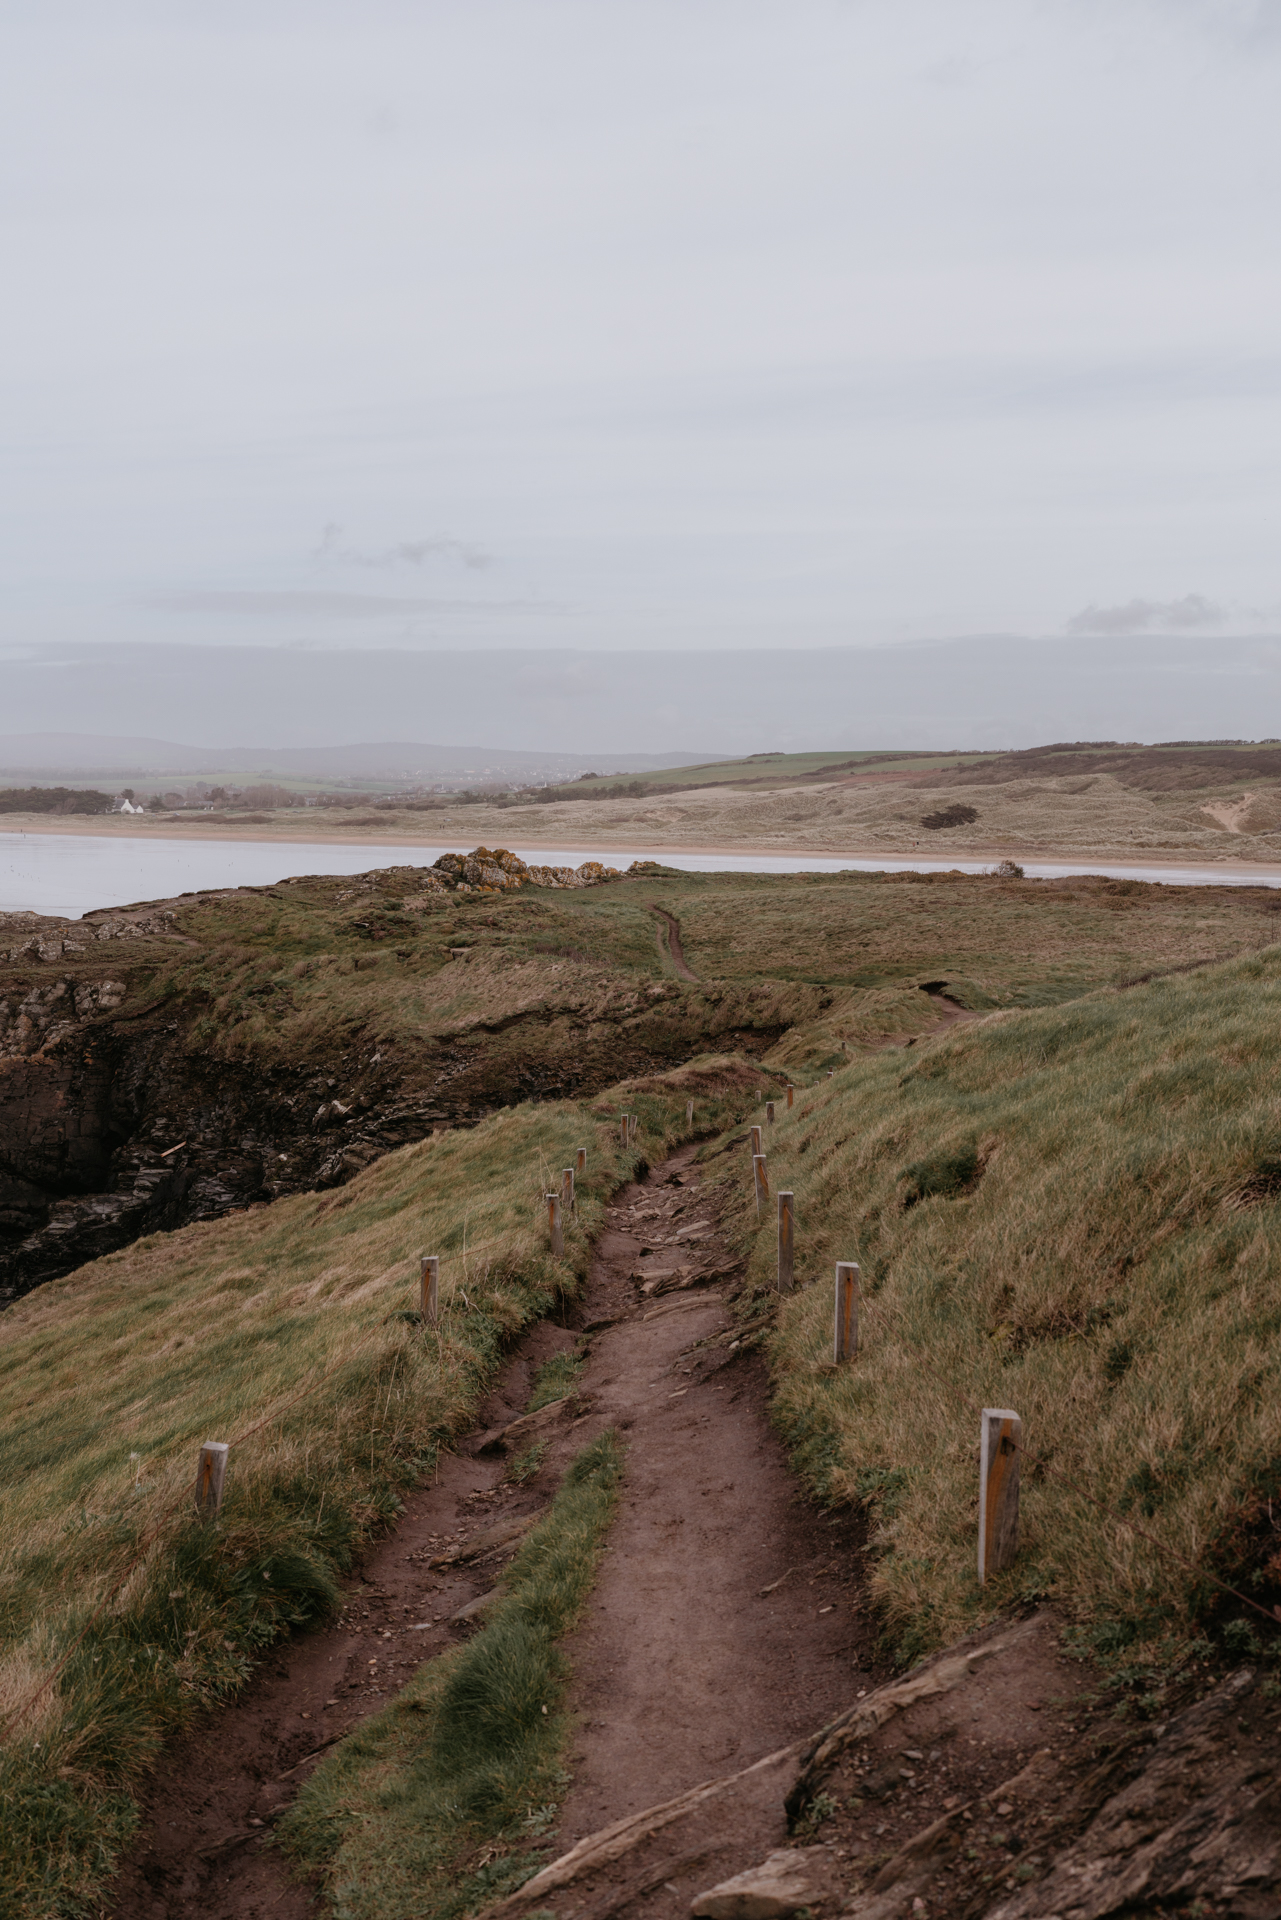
<point>290,1332</point>
<point>1075,1213</point>
<point>432,1806</point>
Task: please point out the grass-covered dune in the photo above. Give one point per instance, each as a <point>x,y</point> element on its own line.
<point>291,1332</point>
<point>1076,1213</point>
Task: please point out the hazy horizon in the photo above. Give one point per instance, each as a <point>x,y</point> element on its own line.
<point>998,692</point>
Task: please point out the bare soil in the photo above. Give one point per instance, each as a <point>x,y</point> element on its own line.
<point>727,1623</point>
<point>684,1667</point>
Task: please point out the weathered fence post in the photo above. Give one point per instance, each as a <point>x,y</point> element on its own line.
<point>429,1287</point>
<point>555,1230</point>
<point>784,1240</point>
<point>790,1091</point>
<point>211,1471</point>
<point>1000,1447</point>
<point>757,1144</point>
<point>689,1113</point>
<point>633,1126</point>
<point>845,1341</point>
<point>769,1112</point>
<point>761,1179</point>
<point>625,1130</point>
<point>567,1189</point>
<point>580,1160</point>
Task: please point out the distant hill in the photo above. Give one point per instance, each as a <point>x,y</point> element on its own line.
<point>50,757</point>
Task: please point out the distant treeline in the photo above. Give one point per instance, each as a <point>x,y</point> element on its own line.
<point>53,800</point>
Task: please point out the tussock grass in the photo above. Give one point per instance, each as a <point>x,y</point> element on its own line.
<point>291,1332</point>
<point>432,1806</point>
<point>1075,1213</point>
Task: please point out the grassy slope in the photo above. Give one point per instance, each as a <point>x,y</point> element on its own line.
<point>1077,1213</point>
<point>430,1807</point>
<point>283,1332</point>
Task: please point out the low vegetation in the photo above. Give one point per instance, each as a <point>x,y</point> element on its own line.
<point>53,800</point>
<point>1074,1212</point>
<point>292,1333</point>
<point>431,1807</point>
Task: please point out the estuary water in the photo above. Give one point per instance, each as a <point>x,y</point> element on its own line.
<point>72,874</point>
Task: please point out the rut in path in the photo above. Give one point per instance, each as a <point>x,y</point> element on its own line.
<point>672,926</point>
<point>684,1665</point>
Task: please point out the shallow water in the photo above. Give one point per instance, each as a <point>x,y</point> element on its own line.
<point>72,874</point>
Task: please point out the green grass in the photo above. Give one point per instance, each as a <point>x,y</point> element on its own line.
<point>554,1379</point>
<point>1076,1213</point>
<point>432,1806</point>
<point>291,1333</point>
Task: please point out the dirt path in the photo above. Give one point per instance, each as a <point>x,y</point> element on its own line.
<point>674,946</point>
<point>685,1667</point>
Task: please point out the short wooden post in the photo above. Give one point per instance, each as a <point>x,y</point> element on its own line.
<point>556,1232</point>
<point>580,1160</point>
<point>429,1287</point>
<point>634,1121</point>
<point>845,1342</point>
<point>689,1113</point>
<point>211,1471</point>
<point>1000,1447</point>
<point>761,1178</point>
<point>784,1240</point>
<point>758,1145</point>
<point>790,1091</point>
<point>567,1189</point>
<point>625,1130</point>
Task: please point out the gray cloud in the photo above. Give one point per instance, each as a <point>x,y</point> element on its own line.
<point>321,605</point>
<point>1194,612</point>
<point>404,553</point>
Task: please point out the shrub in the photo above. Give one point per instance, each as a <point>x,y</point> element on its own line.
<point>957,815</point>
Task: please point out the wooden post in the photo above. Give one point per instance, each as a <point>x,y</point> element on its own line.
<point>784,1240</point>
<point>757,1143</point>
<point>790,1091</point>
<point>633,1120</point>
<point>761,1178</point>
<point>580,1160</point>
<point>689,1113</point>
<point>567,1189</point>
<point>769,1113</point>
<point>845,1342</point>
<point>429,1282</point>
<point>555,1230</point>
<point>211,1471</point>
<point>1000,1446</point>
<point>624,1131</point>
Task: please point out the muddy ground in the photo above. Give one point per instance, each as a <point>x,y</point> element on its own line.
<point>728,1625</point>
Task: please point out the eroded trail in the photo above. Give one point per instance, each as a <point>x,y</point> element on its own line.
<point>725,1621</point>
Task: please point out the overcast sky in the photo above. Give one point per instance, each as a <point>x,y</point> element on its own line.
<point>638,323</point>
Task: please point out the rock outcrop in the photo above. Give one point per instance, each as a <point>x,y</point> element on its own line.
<point>499,871</point>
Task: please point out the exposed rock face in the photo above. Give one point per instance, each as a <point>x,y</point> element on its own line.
<point>786,1880</point>
<point>499,871</point>
<point>30,936</point>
